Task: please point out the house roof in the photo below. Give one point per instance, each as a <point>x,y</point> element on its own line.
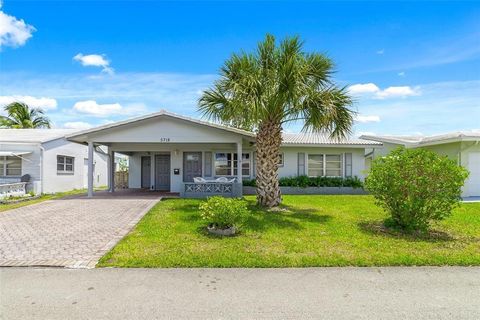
<point>414,141</point>
<point>289,139</point>
<point>323,139</point>
<point>33,135</point>
<point>160,114</point>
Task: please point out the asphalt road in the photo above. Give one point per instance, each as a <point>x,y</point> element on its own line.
<point>312,293</point>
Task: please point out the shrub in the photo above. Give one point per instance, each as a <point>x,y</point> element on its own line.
<point>224,212</point>
<point>305,181</point>
<point>416,186</point>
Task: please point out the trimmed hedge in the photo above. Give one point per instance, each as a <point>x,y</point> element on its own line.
<point>306,181</point>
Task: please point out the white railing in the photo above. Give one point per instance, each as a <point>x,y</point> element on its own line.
<point>211,188</point>
<point>16,189</point>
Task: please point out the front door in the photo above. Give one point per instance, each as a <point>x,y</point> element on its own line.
<point>192,166</point>
<point>146,172</point>
<point>162,172</point>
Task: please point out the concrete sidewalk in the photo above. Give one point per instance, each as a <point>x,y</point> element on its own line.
<point>311,293</point>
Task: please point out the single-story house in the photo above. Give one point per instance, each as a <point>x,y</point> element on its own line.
<point>167,151</point>
<point>52,163</point>
<point>463,147</point>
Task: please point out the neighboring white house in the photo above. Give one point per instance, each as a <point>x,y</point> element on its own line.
<point>464,147</point>
<point>166,151</point>
<point>53,163</point>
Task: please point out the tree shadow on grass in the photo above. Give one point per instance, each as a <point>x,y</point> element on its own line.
<point>260,219</point>
<point>283,217</point>
<point>379,228</point>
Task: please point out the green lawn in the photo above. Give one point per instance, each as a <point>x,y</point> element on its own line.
<point>44,197</point>
<point>313,231</point>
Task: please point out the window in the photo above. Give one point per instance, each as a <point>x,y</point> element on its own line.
<point>65,164</point>
<point>10,166</point>
<point>329,165</point>
<point>333,165</point>
<point>280,161</point>
<point>226,164</point>
<point>315,165</point>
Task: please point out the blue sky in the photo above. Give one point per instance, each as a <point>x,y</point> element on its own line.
<point>413,67</point>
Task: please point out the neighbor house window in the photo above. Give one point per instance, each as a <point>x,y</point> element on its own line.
<point>65,164</point>
<point>226,164</point>
<point>10,166</point>
<point>329,165</point>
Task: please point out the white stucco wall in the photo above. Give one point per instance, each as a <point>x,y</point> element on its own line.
<point>53,181</point>
<point>290,167</point>
<point>57,182</point>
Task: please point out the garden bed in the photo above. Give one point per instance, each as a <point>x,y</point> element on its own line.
<point>311,190</point>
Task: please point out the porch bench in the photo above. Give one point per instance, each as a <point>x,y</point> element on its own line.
<point>210,188</point>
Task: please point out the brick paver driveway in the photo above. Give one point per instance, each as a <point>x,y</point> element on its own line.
<point>71,232</point>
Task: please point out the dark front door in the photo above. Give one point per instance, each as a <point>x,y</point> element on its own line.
<point>146,172</point>
<point>192,166</point>
<point>162,172</point>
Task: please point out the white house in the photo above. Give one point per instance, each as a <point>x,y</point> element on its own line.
<point>167,151</point>
<point>464,147</point>
<point>52,163</point>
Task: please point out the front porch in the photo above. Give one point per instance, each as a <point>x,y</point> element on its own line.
<point>167,151</point>
<point>170,167</point>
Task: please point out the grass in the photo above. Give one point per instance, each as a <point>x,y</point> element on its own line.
<point>311,231</point>
<point>43,197</point>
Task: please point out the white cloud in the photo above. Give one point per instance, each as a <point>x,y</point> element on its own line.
<point>381,51</point>
<point>95,60</point>
<point>91,107</point>
<point>401,74</point>
<point>77,125</point>
<point>13,32</point>
<point>398,92</point>
<point>366,119</point>
<point>371,89</point>
<point>95,109</point>
<point>363,88</point>
<point>34,102</point>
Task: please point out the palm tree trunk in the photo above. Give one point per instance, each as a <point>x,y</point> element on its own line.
<point>268,141</point>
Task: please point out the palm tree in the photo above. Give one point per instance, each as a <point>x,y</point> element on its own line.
<point>266,89</point>
<point>21,116</point>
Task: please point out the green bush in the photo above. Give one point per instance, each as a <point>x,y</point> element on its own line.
<point>305,181</point>
<point>416,186</point>
<point>224,212</point>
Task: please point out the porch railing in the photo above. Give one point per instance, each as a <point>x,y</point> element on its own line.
<point>208,189</point>
<point>16,189</point>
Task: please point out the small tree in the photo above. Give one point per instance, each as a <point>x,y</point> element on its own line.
<point>416,186</point>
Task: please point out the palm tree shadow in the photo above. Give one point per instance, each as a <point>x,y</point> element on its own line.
<point>260,219</point>
<point>378,228</point>
<point>286,217</point>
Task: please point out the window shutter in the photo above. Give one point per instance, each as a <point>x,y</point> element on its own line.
<point>208,164</point>
<point>348,164</point>
<point>301,164</point>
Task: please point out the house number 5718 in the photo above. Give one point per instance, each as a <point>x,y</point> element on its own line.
<point>164,139</point>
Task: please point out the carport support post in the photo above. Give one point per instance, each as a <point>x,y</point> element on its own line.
<point>239,162</point>
<point>111,170</point>
<point>90,169</point>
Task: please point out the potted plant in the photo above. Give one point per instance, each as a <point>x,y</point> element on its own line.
<point>224,215</point>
